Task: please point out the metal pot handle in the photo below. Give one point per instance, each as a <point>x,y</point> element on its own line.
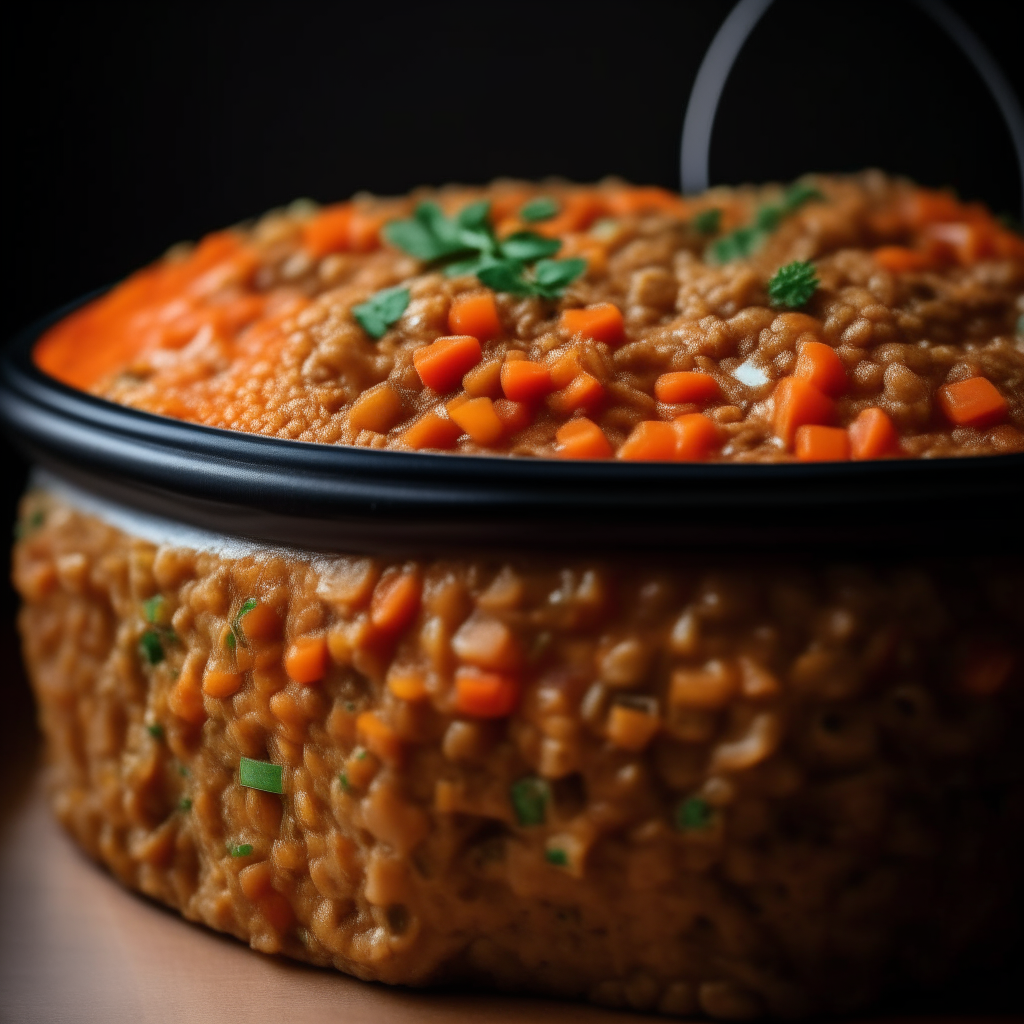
<point>695,151</point>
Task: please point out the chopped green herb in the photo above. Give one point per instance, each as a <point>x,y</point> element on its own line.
<point>151,646</point>
<point>557,857</point>
<point>350,706</point>
<point>360,754</point>
<point>230,642</point>
<point>793,285</point>
<point>345,784</point>
<point>745,241</point>
<point>29,524</point>
<point>467,245</point>
<point>247,606</point>
<point>797,194</point>
<point>707,222</point>
<point>183,771</point>
<point>152,607</point>
<point>185,804</point>
<point>525,246</point>
<point>260,775</point>
<point>240,850</point>
<point>156,730</point>
<point>530,798</point>
<point>693,813</point>
<point>381,310</point>
<point>541,208</point>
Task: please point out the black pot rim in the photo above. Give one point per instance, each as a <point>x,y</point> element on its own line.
<point>334,497</point>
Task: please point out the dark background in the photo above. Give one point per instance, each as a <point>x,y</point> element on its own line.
<point>126,130</point>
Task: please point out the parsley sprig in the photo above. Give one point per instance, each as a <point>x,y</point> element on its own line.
<point>466,244</point>
<point>792,285</point>
<point>745,241</point>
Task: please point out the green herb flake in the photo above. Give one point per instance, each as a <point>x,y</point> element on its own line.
<point>240,849</point>
<point>552,277</point>
<point>156,730</point>
<point>526,246</point>
<point>152,608</point>
<point>793,285</point>
<point>183,771</point>
<point>345,784</point>
<point>247,606</point>
<point>557,857</point>
<point>185,804</point>
<point>30,524</point>
<point>230,641</point>
<point>736,245</point>
<point>152,648</point>
<point>541,208</point>
<point>350,706</point>
<point>360,754</point>
<point>708,222</point>
<point>381,310</point>
<point>260,775</point>
<point>797,194</point>
<point>530,798</point>
<point>693,813</point>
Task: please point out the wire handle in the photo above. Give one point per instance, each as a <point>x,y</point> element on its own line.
<point>695,151</point>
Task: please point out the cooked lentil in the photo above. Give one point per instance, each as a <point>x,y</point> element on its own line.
<point>913,328</point>
<point>746,787</point>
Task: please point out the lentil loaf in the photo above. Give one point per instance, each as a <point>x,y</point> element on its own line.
<point>737,786</point>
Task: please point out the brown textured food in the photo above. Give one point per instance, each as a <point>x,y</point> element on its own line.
<point>768,786</point>
<point>917,292</point>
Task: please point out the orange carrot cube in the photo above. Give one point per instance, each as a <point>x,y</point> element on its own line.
<point>686,386</point>
<point>442,363</point>
<point>599,323</point>
<point>974,402</point>
<point>475,314</point>
<point>822,444</point>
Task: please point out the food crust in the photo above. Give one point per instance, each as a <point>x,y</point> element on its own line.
<point>753,786</point>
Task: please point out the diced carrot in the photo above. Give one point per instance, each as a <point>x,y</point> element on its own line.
<point>524,381</point>
<point>563,369</point>
<point>899,259</point>
<point>584,392</point>
<point>872,435</point>
<point>379,738</point>
<point>261,624</point>
<point>927,206</point>
<point>484,380</point>
<point>798,402</point>
<point>601,323</point>
<point>974,402</point>
<point>396,600</point>
<point>650,441</point>
<point>442,363</point>
<point>364,230</point>
<point>514,416</point>
<point>686,386</point>
<point>478,419</point>
<point>696,437</point>
<point>819,365</point>
<point>822,444</point>
<point>475,314</point>
<point>219,683</point>
<point>581,439</point>
<point>625,201</point>
<point>186,698</point>
<point>432,431</point>
<point>631,728</point>
<point>485,694</point>
<point>408,685</point>
<point>307,659</point>
<point>579,210</point>
<point>377,408</point>
<point>965,243</point>
<point>328,231</point>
